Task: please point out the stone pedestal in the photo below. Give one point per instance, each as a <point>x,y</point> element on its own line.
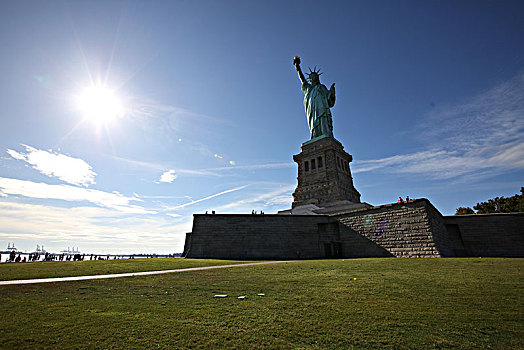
<point>324,175</point>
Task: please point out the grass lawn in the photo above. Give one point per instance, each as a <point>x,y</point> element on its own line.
<point>50,269</point>
<point>392,304</point>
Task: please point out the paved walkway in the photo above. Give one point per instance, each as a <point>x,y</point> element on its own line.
<point>131,274</point>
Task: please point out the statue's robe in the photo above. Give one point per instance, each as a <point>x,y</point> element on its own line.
<point>317,102</point>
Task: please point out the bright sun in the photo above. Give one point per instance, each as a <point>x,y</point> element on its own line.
<point>99,104</point>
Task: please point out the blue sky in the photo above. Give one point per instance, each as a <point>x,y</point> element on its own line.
<point>429,103</point>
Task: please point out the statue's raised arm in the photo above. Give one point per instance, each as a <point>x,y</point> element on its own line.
<point>296,63</point>
<point>317,102</point>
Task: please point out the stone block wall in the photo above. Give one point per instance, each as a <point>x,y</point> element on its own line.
<point>268,236</point>
<point>400,229</point>
<point>413,229</point>
<point>245,236</point>
<point>447,243</point>
<point>496,235</point>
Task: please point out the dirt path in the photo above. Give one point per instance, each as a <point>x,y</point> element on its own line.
<point>131,274</point>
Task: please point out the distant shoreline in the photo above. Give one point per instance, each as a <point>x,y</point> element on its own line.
<point>87,256</point>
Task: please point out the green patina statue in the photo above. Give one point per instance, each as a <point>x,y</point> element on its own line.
<point>317,102</point>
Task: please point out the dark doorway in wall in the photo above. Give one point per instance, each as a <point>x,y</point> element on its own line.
<point>333,250</point>
<point>337,249</point>
<point>327,250</point>
<point>455,241</point>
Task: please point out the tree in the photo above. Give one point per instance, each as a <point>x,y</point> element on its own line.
<point>514,204</point>
<point>487,207</point>
<point>464,211</point>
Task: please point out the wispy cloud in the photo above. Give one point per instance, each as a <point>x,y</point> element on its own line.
<point>476,139</point>
<point>494,117</point>
<point>102,229</point>
<point>162,167</point>
<point>159,197</point>
<point>69,193</point>
<point>203,172</point>
<point>168,176</point>
<point>150,109</point>
<point>206,198</point>
<point>215,172</point>
<point>72,170</point>
<point>278,195</point>
<point>139,163</point>
<point>255,166</point>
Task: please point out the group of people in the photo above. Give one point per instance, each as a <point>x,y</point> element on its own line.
<point>63,257</point>
<point>13,257</point>
<point>100,257</point>
<point>33,257</point>
<point>400,200</point>
<point>18,258</point>
<point>252,212</point>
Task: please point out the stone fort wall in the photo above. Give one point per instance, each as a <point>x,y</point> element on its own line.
<point>496,235</point>
<point>247,236</point>
<point>413,229</point>
<point>402,229</point>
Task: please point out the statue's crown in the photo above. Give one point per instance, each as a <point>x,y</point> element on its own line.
<point>313,72</point>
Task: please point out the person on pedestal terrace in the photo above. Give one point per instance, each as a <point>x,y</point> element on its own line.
<point>317,102</point>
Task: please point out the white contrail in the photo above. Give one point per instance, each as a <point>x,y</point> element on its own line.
<point>209,197</point>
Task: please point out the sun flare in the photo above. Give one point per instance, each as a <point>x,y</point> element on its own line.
<point>99,104</point>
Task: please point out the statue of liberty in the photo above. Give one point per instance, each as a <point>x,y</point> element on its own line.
<point>317,102</point>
